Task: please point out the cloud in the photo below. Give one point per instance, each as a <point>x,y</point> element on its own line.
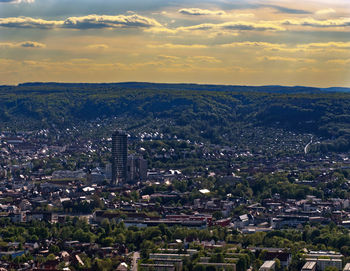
<point>198,11</point>
<point>203,59</point>
<point>268,46</point>
<point>24,44</point>
<point>105,21</point>
<point>287,10</point>
<point>27,22</point>
<point>339,61</point>
<point>286,59</point>
<point>325,11</point>
<point>80,60</point>
<point>282,47</point>
<point>262,45</point>
<point>246,26</point>
<point>233,26</point>
<point>177,46</point>
<point>98,46</point>
<point>32,44</point>
<point>216,13</point>
<point>344,22</point>
<point>228,27</point>
<point>255,44</point>
<point>136,21</point>
<point>16,1</point>
<point>83,22</point>
<point>168,58</point>
<point>323,45</point>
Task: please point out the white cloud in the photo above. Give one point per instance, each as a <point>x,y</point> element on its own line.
<point>28,22</point>
<point>226,28</point>
<point>217,13</point>
<point>343,22</point>
<point>325,11</point>
<point>105,21</point>
<point>16,1</point>
<point>83,22</point>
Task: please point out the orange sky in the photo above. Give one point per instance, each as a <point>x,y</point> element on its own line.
<point>223,42</point>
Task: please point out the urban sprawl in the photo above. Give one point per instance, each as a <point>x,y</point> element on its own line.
<point>149,201</point>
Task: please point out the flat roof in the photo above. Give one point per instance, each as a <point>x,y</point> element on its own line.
<point>347,267</point>
<point>217,264</point>
<point>309,266</point>
<point>268,264</point>
<point>324,260</point>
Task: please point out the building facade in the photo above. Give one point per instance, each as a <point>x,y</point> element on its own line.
<point>119,157</point>
<point>136,169</point>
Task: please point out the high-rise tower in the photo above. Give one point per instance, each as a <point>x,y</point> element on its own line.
<point>119,157</point>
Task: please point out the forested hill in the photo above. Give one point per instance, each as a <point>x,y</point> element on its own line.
<point>203,111</point>
<point>198,87</point>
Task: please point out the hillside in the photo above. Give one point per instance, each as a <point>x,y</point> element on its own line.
<point>205,112</point>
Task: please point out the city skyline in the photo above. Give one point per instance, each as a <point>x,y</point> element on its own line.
<point>215,42</point>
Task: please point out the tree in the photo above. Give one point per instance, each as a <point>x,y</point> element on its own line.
<point>217,258</point>
<point>120,239</point>
<point>107,241</point>
<point>50,257</point>
<point>217,215</point>
<point>331,268</point>
<point>54,249</point>
<point>103,264</point>
<point>278,265</point>
<point>199,267</point>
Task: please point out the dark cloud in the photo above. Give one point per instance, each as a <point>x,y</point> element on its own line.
<point>258,6</point>
<point>247,27</point>
<point>288,10</point>
<point>200,12</point>
<point>32,44</point>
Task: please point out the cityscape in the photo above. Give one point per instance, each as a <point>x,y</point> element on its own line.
<point>160,135</point>
<point>131,211</point>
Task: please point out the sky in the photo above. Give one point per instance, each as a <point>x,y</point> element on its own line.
<point>233,42</point>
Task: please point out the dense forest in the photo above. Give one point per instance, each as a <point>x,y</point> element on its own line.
<point>203,112</point>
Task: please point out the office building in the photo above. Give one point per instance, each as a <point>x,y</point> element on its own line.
<point>119,157</point>
<point>136,169</point>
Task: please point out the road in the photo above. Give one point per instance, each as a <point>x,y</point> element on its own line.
<point>135,258</point>
<point>307,146</point>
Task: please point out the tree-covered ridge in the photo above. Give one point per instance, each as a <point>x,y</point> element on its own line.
<point>203,112</point>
